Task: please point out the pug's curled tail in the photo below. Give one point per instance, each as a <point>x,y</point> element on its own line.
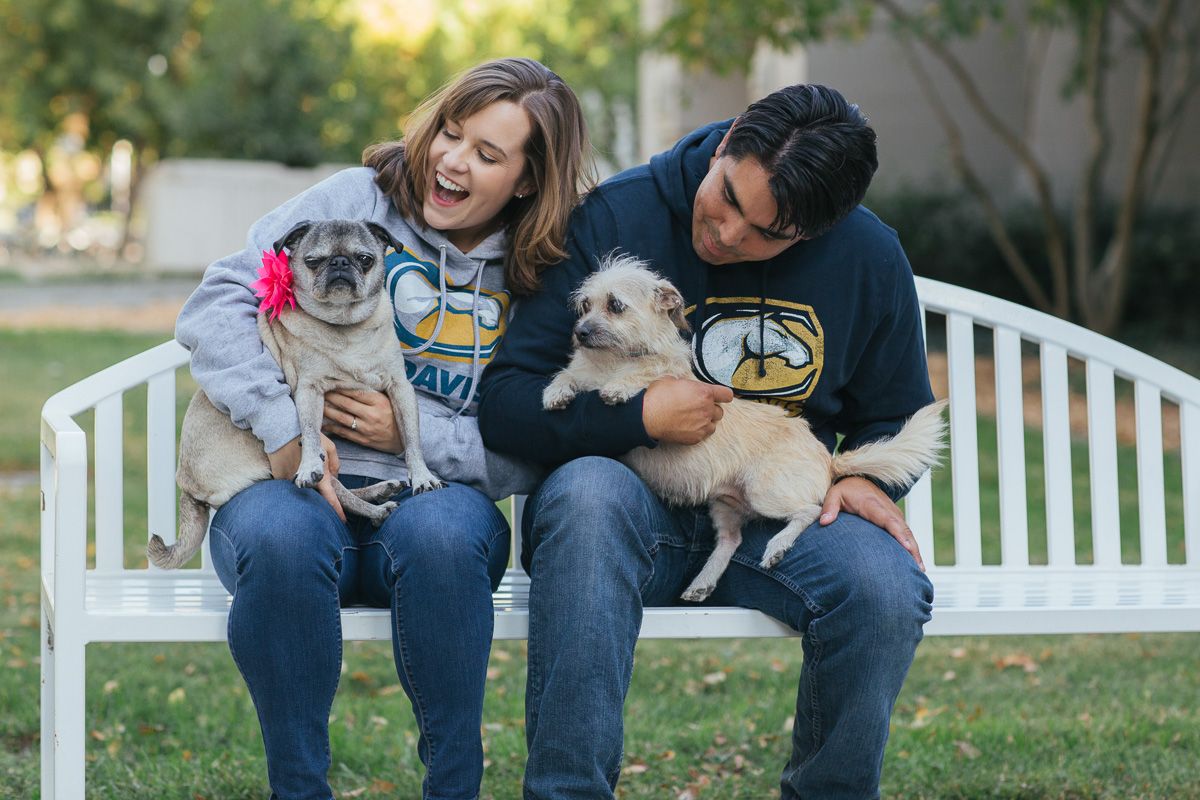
<point>902,459</point>
<point>193,524</point>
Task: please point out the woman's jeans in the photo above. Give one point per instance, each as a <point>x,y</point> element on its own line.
<point>291,565</point>
<point>600,547</point>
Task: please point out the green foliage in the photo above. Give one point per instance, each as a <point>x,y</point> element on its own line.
<point>261,80</point>
<point>296,81</point>
<point>946,238</point>
<point>84,57</point>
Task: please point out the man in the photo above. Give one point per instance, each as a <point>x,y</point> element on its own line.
<point>802,299</point>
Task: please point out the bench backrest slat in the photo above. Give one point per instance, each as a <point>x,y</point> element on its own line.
<point>1010,437</point>
<point>1152,509</point>
<point>1189,436</point>
<point>110,483</point>
<point>964,439</point>
<point>160,455</point>
<point>1056,437</point>
<point>1102,457</point>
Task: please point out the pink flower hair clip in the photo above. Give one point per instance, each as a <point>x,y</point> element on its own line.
<point>274,284</point>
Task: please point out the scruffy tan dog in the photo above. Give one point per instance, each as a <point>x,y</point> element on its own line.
<point>758,463</point>
<point>339,335</point>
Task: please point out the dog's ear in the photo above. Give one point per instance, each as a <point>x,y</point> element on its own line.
<point>384,235</point>
<point>290,238</point>
<point>670,300</point>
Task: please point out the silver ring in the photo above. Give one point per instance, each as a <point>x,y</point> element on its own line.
<point>354,423</point>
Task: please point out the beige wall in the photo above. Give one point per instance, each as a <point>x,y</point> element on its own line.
<point>874,74</point>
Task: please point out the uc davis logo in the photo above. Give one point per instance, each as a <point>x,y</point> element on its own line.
<point>791,349</point>
<point>414,287</point>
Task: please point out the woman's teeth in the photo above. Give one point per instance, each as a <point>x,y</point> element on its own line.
<point>446,183</point>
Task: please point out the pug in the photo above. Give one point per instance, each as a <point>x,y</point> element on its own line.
<point>339,336</point>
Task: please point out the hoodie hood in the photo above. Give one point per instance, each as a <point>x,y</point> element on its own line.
<point>679,171</point>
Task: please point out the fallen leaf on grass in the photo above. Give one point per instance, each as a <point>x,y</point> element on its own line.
<point>692,790</point>
<point>1021,660</point>
<point>969,750</point>
<point>636,767</point>
<point>378,785</point>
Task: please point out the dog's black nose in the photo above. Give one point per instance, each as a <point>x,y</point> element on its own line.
<point>339,263</point>
<point>582,333</point>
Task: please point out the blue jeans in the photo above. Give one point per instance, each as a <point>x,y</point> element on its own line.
<point>291,565</point>
<point>599,546</point>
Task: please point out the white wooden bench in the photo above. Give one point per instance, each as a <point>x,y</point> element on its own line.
<point>109,602</point>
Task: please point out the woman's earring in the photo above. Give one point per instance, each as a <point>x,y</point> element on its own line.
<point>520,196</point>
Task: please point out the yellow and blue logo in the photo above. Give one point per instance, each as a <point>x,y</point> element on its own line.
<point>788,343</point>
<point>413,284</point>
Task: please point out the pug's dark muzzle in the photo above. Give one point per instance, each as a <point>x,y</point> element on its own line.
<point>340,272</point>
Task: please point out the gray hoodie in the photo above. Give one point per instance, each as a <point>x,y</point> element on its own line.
<point>451,312</point>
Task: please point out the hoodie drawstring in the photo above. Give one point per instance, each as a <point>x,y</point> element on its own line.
<point>762,324</point>
<point>702,309</point>
<point>476,370</point>
<point>443,302</point>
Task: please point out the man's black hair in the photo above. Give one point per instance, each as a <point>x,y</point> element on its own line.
<point>818,149</point>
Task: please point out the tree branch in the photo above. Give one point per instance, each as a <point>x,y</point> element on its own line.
<point>976,186</point>
<point>1056,249</point>
<point>1094,35</point>
<point>1113,271</point>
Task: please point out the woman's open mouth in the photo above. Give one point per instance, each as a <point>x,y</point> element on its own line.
<point>446,192</point>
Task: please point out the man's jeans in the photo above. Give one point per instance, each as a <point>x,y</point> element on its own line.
<point>600,547</point>
<point>291,565</point>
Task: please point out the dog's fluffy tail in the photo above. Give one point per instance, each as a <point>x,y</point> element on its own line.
<point>904,458</point>
<point>193,524</point>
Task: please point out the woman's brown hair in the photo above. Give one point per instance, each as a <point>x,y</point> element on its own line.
<point>558,158</point>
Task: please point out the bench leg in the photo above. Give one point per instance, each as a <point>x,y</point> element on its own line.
<point>47,743</point>
<point>63,716</point>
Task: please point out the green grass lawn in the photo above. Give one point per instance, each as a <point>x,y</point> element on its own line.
<point>1020,718</point>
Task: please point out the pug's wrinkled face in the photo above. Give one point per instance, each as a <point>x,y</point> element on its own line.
<point>337,267</point>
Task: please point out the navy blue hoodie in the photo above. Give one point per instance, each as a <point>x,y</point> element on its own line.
<point>838,315</point>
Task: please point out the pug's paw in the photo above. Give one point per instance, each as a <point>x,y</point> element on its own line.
<point>311,471</point>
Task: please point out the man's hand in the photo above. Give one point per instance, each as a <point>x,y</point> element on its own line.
<point>864,499</point>
<point>683,411</point>
<point>286,460</point>
<point>363,417</point>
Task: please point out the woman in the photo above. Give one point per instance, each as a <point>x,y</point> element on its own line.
<point>478,194</point>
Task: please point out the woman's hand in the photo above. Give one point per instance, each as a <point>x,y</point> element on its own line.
<point>286,460</point>
<point>365,418</point>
